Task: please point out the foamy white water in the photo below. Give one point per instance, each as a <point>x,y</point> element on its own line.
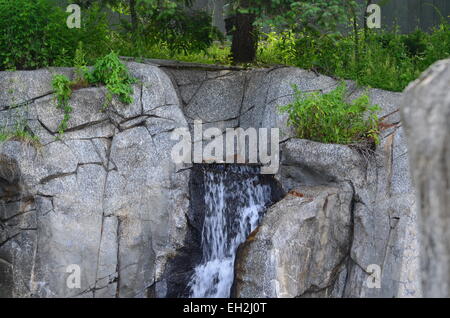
<point>235,201</point>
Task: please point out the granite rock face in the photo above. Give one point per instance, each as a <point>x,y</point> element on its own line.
<point>383,214</point>
<point>103,197</point>
<point>107,197</point>
<point>381,218</point>
<point>426,116</point>
<point>286,257</point>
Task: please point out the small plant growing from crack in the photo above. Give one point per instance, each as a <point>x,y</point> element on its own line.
<point>63,90</point>
<point>19,131</point>
<point>108,71</point>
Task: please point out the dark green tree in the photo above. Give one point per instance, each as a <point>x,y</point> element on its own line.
<point>314,15</point>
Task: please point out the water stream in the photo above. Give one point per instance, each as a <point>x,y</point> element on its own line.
<point>235,201</point>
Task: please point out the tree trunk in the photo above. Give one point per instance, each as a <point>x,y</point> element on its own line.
<point>356,35</point>
<point>134,20</point>
<point>245,40</point>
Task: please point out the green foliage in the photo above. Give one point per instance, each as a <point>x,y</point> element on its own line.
<point>62,88</point>
<point>314,16</point>
<point>20,135</point>
<point>94,34</point>
<point>162,24</point>
<point>329,118</point>
<point>19,132</point>
<point>80,64</point>
<point>31,34</point>
<point>215,54</point>
<point>112,73</point>
<point>437,46</point>
<point>387,60</point>
<point>108,71</point>
<point>172,26</point>
<point>34,34</point>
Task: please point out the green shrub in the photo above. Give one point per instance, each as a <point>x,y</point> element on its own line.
<point>415,43</point>
<point>95,34</point>
<point>215,54</point>
<point>34,34</point>
<point>386,60</point>
<point>329,118</point>
<point>112,73</point>
<point>108,71</point>
<point>179,30</point>
<point>438,45</point>
<point>169,24</point>
<point>277,48</point>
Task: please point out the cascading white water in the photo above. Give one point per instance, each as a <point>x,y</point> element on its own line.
<point>235,201</point>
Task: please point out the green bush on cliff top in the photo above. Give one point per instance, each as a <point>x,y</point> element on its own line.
<point>108,71</point>
<point>329,118</point>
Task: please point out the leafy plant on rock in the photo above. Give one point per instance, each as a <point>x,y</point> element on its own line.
<point>112,73</point>
<point>108,71</point>
<point>63,90</point>
<point>329,118</point>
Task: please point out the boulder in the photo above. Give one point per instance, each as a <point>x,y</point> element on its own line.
<point>382,221</point>
<point>426,115</point>
<point>300,248</point>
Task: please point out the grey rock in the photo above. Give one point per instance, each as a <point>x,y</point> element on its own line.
<point>206,106</point>
<point>84,151</point>
<point>326,162</point>
<point>384,223</point>
<point>426,113</point>
<point>285,257</point>
<point>22,87</point>
<point>87,104</point>
<point>105,196</point>
<point>127,111</point>
<point>157,87</point>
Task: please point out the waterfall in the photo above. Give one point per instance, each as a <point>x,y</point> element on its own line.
<point>235,200</point>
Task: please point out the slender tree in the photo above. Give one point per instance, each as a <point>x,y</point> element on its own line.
<point>318,16</point>
<point>245,38</point>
